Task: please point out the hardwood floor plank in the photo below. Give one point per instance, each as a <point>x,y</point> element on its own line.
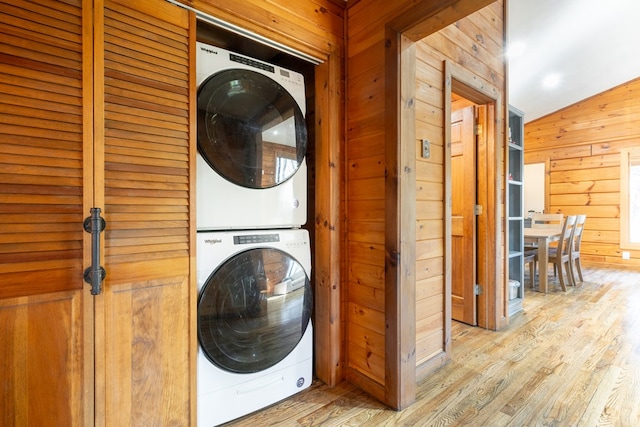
<point>569,359</point>
<point>597,403</point>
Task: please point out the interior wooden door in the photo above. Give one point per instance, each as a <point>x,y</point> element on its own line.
<point>46,311</point>
<point>143,336</point>
<point>94,112</point>
<point>463,221</point>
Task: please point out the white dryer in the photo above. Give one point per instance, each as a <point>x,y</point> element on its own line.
<point>252,142</point>
<point>254,320</point>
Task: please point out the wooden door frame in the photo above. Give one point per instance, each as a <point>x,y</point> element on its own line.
<point>463,82</point>
<point>400,221</point>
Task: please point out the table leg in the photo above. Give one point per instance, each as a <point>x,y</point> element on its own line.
<point>543,259</point>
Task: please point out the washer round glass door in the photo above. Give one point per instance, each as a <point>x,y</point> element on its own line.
<point>250,129</point>
<point>253,310</point>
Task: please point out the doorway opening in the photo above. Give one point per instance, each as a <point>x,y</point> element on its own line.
<point>471,220</point>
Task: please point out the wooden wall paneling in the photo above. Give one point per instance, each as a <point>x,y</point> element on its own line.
<point>329,228</point>
<point>483,27</point>
<point>314,27</point>
<point>587,162</point>
<point>400,195</point>
<point>441,14</point>
<point>363,166</point>
<point>365,234</point>
<point>581,145</point>
<point>428,269</point>
<point>591,211</point>
<point>597,119</point>
<point>432,52</point>
<point>429,327</point>
<point>451,41</point>
<point>426,190</point>
<point>45,308</point>
<point>613,146</point>
<point>585,199</point>
<point>557,153</point>
<point>576,175</point>
<point>367,23</point>
<point>605,125</point>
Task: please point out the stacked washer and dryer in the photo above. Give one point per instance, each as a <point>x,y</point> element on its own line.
<point>253,259</point>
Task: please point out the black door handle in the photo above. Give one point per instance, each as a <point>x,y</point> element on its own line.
<point>95,274</point>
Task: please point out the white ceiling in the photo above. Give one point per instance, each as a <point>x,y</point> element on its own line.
<point>591,46</point>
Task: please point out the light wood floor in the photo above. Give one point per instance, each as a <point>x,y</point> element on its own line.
<point>570,359</point>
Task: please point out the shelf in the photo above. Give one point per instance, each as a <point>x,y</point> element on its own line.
<point>515,201</point>
<point>515,206</point>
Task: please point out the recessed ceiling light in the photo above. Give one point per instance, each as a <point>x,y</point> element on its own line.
<point>551,81</point>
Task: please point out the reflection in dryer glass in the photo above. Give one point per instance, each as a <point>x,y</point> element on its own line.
<point>253,310</point>
<point>250,129</point>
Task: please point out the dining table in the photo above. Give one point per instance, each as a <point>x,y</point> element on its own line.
<point>541,237</point>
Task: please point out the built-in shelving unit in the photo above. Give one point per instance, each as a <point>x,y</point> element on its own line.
<point>515,207</point>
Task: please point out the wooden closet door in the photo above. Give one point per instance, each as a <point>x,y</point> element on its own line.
<point>45,306</point>
<point>94,112</point>
<point>143,334</point>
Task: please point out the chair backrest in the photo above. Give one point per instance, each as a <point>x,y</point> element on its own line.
<point>540,220</point>
<point>577,234</point>
<point>566,237</point>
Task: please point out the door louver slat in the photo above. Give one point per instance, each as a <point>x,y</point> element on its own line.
<point>146,138</point>
<point>41,133</point>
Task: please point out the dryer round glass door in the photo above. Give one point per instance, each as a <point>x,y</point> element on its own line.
<point>250,129</point>
<point>253,310</point>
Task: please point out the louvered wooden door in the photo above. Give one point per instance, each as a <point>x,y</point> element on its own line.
<point>94,111</point>
<point>143,319</point>
<point>46,311</point>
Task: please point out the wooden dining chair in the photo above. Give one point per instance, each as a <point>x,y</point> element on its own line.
<point>574,263</point>
<point>559,256</point>
<point>531,258</point>
<point>542,220</point>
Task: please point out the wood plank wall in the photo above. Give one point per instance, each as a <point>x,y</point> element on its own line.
<point>475,43</point>
<point>580,146</point>
<point>366,172</point>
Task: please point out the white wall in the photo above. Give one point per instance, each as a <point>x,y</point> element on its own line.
<point>534,194</point>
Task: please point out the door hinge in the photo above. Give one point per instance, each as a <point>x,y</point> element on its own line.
<point>477,209</point>
<point>478,129</point>
<point>477,289</point>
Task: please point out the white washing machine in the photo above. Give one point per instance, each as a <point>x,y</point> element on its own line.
<point>254,320</point>
<point>252,142</point>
